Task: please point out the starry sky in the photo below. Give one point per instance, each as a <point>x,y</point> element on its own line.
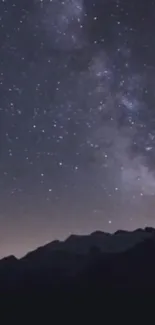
<point>77,119</point>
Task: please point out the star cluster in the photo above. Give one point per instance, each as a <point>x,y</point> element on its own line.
<point>77,118</point>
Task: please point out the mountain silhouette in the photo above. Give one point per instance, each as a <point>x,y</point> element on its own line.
<point>79,266</point>
<point>81,244</point>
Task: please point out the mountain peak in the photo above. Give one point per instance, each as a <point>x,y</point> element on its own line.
<point>10,258</point>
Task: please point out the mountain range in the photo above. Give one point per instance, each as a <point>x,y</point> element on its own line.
<point>95,265</point>
<point>72,257</point>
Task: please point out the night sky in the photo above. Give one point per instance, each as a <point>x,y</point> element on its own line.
<point>77,119</point>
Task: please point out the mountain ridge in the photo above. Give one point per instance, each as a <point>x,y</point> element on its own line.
<point>123,260</point>
<point>82,243</point>
<point>93,240</point>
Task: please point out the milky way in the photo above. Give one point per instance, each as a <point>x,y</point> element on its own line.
<point>77,149</point>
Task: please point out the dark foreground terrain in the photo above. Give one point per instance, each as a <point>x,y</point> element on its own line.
<point>83,268</point>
